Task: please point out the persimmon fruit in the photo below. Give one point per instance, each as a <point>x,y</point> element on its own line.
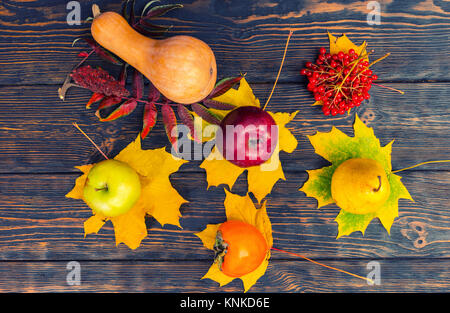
<point>240,248</point>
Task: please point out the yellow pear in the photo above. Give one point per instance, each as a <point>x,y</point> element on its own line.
<point>360,186</point>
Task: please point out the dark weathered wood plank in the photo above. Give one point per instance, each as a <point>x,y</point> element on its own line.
<point>38,223</point>
<point>36,132</point>
<point>396,275</point>
<point>247,36</point>
<point>40,230</point>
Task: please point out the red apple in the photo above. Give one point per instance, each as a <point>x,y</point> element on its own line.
<point>248,136</point>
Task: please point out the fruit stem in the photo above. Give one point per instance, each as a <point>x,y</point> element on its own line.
<point>279,70</point>
<point>379,185</point>
<point>423,163</point>
<point>78,127</point>
<point>351,70</point>
<point>327,266</point>
<point>100,189</point>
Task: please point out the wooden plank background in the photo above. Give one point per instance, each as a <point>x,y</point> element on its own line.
<point>40,230</point>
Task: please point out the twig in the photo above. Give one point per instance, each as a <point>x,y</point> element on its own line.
<point>423,163</point>
<point>330,267</point>
<point>390,88</point>
<point>279,70</point>
<point>78,127</point>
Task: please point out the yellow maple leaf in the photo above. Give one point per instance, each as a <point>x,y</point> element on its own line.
<point>239,208</point>
<point>241,96</point>
<point>158,197</point>
<point>344,44</point>
<point>337,147</point>
<point>262,178</point>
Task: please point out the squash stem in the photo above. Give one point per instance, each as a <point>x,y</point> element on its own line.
<point>95,10</point>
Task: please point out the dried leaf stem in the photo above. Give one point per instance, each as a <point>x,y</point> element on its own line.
<point>423,163</point>
<point>324,265</point>
<point>78,127</point>
<point>390,88</point>
<point>279,70</point>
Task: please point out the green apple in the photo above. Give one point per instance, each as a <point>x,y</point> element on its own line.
<point>112,188</point>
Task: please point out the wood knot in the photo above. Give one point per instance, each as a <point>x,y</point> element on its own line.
<point>368,117</point>
<point>416,232</point>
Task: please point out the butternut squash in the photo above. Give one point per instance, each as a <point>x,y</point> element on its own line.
<point>182,68</point>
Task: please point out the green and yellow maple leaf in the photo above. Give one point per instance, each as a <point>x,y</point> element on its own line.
<point>158,197</point>
<point>337,147</point>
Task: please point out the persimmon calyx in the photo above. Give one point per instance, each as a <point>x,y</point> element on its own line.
<point>220,249</point>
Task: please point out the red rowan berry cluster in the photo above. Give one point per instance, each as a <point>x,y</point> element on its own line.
<point>339,81</point>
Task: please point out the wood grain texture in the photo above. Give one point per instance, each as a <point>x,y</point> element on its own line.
<point>398,275</point>
<point>40,224</point>
<point>37,135</point>
<point>35,39</point>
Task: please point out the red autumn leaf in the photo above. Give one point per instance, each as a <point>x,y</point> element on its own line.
<point>94,98</point>
<point>155,28</point>
<point>125,9</point>
<point>107,103</point>
<point>170,124</point>
<point>150,114</point>
<point>138,85</point>
<point>150,111</point>
<point>123,74</point>
<point>188,120</point>
<point>123,110</point>
<point>104,54</point>
<point>214,104</point>
<point>153,93</point>
<point>161,10</point>
<point>205,114</point>
<point>224,85</point>
<point>83,54</point>
<point>147,32</point>
<point>132,14</point>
